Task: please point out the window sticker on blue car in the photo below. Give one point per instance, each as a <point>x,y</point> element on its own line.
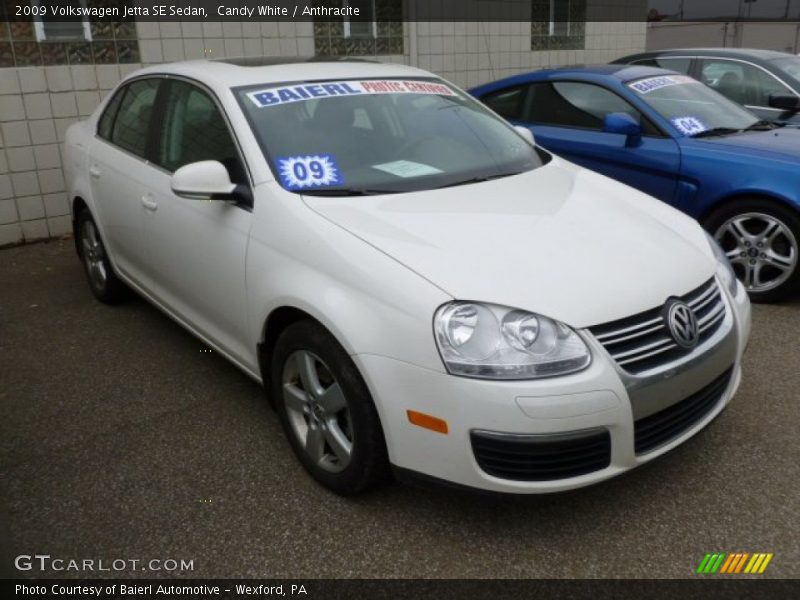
<point>689,125</point>
<point>407,168</point>
<point>277,96</point>
<point>313,170</point>
<point>645,86</point>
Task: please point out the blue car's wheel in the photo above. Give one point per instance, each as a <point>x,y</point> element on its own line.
<point>762,241</point>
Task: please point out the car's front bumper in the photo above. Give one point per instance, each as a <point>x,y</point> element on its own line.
<point>597,400</point>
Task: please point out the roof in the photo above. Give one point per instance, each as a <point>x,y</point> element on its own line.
<point>752,53</point>
<point>271,61</point>
<point>235,72</point>
<point>621,72</point>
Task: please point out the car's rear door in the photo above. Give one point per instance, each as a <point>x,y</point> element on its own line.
<point>567,117</point>
<point>120,175</point>
<point>197,248</point>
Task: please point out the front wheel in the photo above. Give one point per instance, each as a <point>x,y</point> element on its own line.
<point>761,240</point>
<point>326,410</point>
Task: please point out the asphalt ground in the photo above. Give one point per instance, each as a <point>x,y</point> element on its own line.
<point>121,438</point>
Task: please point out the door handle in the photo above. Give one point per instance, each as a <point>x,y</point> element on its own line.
<point>149,203</point>
<point>95,172</point>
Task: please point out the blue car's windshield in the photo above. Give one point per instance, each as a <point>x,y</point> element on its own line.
<point>690,106</point>
<point>355,137</point>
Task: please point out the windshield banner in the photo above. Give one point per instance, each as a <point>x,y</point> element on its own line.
<point>645,86</point>
<point>309,91</point>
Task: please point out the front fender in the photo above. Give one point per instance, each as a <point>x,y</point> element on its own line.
<point>371,303</point>
<point>721,174</point>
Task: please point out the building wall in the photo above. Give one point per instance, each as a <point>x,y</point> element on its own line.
<point>37,104</point>
<point>780,36</point>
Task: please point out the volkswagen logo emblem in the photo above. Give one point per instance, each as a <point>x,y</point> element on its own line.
<point>682,324</point>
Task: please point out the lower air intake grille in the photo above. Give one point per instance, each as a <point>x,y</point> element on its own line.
<point>656,430</point>
<point>542,457</point>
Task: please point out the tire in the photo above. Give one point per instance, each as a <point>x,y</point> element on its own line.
<point>762,241</point>
<point>338,416</point>
<point>103,282</point>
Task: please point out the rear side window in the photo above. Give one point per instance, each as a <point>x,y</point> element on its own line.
<point>107,118</point>
<point>133,118</point>
<point>508,103</point>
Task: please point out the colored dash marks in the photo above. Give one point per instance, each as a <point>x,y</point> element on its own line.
<point>733,563</point>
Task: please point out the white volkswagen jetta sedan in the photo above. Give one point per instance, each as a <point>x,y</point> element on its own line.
<point>417,284</point>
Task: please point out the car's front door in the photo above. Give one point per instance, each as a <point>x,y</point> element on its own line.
<point>120,175</point>
<point>567,118</point>
<point>197,248</point>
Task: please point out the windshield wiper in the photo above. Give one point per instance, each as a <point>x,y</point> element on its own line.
<point>349,192</point>
<point>716,131</point>
<point>764,126</point>
<point>478,179</point>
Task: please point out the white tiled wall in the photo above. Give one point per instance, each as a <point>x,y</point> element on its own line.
<point>469,54</point>
<point>37,104</point>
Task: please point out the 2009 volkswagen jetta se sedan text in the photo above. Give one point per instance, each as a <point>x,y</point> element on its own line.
<point>418,286</point>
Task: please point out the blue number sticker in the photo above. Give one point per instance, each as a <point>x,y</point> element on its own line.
<point>689,125</point>
<point>314,170</point>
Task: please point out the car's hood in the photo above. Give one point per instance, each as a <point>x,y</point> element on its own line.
<point>561,241</point>
<point>781,144</point>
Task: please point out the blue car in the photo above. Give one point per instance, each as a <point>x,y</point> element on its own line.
<point>671,137</point>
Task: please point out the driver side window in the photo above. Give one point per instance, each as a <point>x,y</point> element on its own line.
<point>195,130</point>
<point>741,82</point>
<point>579,105</point>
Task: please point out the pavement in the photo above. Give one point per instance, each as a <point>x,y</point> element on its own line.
<point>121,439</point>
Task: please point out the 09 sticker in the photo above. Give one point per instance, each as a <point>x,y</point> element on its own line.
<point>689,125</point>
<point>311,170</point>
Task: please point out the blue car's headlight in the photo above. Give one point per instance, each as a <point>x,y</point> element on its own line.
<point>724,269</point>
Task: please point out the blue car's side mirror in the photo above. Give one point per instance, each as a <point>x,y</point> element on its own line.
<point>623,124</point>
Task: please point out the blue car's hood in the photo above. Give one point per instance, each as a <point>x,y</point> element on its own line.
<point>782,144</point>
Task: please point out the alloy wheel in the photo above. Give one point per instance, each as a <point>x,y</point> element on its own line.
<point>761,248</point>
<point>317,411</point>
<point>93,255</point>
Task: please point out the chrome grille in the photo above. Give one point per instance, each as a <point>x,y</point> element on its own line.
<point>643,342</point>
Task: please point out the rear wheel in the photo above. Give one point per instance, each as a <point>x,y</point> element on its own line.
<point>762,242</point>
<point>103,282</point>
<point>326,410</point>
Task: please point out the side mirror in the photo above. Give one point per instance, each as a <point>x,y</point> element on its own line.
<point>623,124</point>
<point>204,180</point>
<point>784,102</point>
<point>526,133</point>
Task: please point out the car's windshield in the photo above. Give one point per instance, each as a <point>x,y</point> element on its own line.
<point>790,64</point>
<point>690,106</point>
<point>380,136</point>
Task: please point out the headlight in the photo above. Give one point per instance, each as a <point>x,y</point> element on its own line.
<point>495,342</point>
<point>724,269</point>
